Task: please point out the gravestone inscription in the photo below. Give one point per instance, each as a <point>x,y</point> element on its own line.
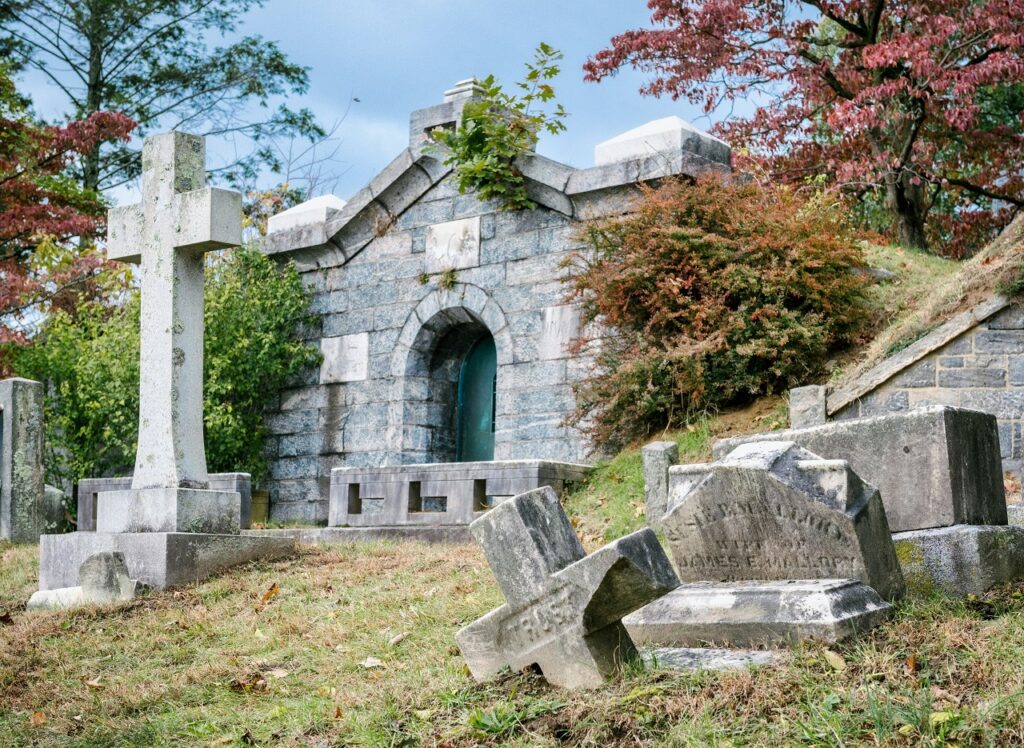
<point>773,545</point>
<point>563,609</point>
<point>774,511</point>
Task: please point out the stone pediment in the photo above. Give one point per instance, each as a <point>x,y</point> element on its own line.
<point>576,193</point>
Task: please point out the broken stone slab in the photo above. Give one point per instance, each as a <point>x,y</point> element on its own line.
<point>772,511</point>
<point>658,457</point>
<point>102,578</point>
<point>935,467</point>
<point>157,559</point>
<point>758,614</point>
<point>961,560</point>
<point>563,608</point>
<point>703,658</point>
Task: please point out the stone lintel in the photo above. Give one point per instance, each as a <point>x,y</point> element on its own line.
<point>169,510</point>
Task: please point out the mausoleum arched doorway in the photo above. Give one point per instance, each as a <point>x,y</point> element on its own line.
<point>448,363</point>
<point>476,403</point>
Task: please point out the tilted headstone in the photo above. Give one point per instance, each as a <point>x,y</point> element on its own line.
<point>774,511</point>
<point>935,467</point>
<point>23,514</point>
<point>939,472</point>
<point>102,578</point>
<point>794,545</point>
<point>563,608</point>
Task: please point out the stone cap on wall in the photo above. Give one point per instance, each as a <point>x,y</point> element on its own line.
<point>342,234</point>
<point>886,369</point>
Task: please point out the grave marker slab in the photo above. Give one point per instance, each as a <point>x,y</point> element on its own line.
<point>23,515</point>
<point>563,608</point>
<point>774,511</point>
<point>772,544</point>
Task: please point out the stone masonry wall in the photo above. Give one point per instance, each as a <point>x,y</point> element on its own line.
<point>981,369</point>
<point>379,397</point>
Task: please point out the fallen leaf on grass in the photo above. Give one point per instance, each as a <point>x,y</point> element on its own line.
<point>910,665</point>
<point>249,682</point>
<point>938,718</point>
<point>835,660</point>
<point>337,712</point>
<point>95,682</point>
<point>277,673</point>
<point>38,719</point>
<point>371,662</point>
<point>397,639</point>
<point>6,619</point>
<point>221,741</point>
<point>273,591</point>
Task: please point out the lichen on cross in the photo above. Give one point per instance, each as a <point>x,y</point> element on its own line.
<point>178,220</point>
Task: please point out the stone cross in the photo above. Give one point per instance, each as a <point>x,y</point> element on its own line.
<point>563,608</point>
<point>178,220</point>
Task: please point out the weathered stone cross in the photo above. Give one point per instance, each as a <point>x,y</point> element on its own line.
<point>178,220</point>
<point>563,608</point>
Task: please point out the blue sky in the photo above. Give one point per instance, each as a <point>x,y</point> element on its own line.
<point>399,55</point>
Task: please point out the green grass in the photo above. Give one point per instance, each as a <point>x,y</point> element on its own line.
<point>215,664</point>
<point>611,504</point>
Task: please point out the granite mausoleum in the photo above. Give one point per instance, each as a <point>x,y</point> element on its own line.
<point>444,325</point>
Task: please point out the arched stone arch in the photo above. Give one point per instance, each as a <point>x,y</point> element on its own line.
<point>425,366</point>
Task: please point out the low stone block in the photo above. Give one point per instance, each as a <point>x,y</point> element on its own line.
<point>169,510</point>
<point>807,406</point>
<point>658,457</point>
<point>962,559</point>
<point>102,578</point>
<point>758,614</point>
<point>705,658</point>
<point>935,467</point>
<point>563,609</point>
<point>157,559</point>
<point>773,511</point>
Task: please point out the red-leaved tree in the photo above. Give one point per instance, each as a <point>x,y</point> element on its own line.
<point>48,224</point>
<point>914,106</point>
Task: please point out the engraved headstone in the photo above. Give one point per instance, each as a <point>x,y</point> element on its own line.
<point>453,245</point>
<point>752,524</point>
<point>563,608</point>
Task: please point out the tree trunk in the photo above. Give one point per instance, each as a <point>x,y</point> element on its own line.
<point>908,204</point>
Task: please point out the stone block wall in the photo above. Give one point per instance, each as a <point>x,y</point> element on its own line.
<point>392,339</point>
<point>981,369</point>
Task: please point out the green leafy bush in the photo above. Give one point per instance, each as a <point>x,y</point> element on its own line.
<point>711,293</point>
<point>90,364</point>
<point>497,127</point>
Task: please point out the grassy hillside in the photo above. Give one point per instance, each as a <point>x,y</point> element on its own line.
<point>354,645</point>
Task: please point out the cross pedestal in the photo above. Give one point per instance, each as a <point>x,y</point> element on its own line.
<point>563,609</point>
<point>170,527</point>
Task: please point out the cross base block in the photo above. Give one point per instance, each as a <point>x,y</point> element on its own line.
<point>169,510</point>
<point>157,559</point>
<point>758,614</point>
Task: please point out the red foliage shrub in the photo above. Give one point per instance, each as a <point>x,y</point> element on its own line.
<point>710,293</point>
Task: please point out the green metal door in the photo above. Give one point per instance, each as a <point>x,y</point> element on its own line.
<point>475,413</point>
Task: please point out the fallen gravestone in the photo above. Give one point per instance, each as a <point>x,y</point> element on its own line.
<point>773,545</point>
<point>102,578</point>
<point>563,609</point>
<point>939,472</point>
